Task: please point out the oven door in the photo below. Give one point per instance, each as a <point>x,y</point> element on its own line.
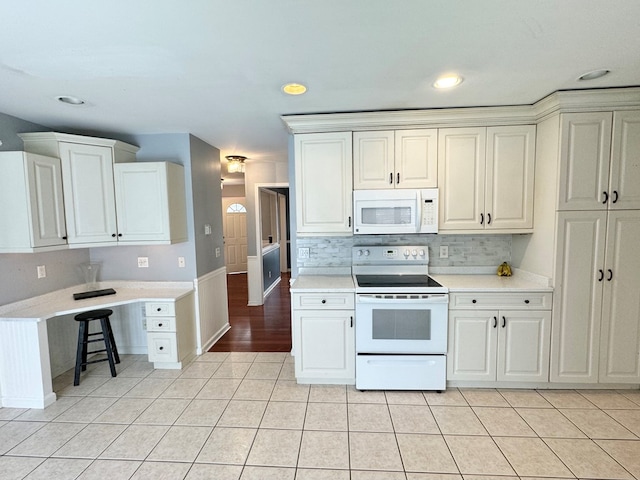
<point>402,324</point>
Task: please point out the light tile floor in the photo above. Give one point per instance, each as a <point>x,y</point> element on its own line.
<point>242,416</point>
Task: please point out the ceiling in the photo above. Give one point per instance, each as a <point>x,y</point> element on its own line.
<point>215,68</point>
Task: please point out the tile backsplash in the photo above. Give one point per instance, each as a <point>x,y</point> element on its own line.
<point>464,250</point>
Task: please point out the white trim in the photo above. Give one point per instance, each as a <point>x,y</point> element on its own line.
<point>254,280</point>
<point>561,101</point>
<point>271,287</point>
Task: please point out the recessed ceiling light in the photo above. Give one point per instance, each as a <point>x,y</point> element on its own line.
<point>294,89</point>
<point>448,81</point>
<point>594,74</point>
<point>70,100</point>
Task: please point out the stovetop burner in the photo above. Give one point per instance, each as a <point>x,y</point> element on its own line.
<point>399,281</point>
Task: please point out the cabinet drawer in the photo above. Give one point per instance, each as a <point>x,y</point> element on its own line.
<point>334,301</point>
<point>510,300</point>
<point>162,347</point>
<point>161,324</point>
<point>160,309</point>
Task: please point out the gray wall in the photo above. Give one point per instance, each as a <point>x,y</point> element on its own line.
<point>18,278</point>
<point>207,199</point>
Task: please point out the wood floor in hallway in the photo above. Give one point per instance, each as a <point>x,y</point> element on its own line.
<point>265,328</point>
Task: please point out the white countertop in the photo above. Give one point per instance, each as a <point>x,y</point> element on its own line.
<point>323,283</point>
<point>61,302</point>
<point>519,281</point>
<point>491,283</point>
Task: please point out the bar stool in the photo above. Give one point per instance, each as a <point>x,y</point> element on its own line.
<point>105,335</point>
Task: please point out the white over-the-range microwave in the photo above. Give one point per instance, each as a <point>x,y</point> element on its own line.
<point>395,211</point>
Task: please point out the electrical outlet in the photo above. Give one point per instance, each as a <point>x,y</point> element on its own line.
<point>143,262</point>
<point>42,271</point>
<point>303,252</point>
<point>181,262</point>
<point>217,252</point>
<point>444,251</point>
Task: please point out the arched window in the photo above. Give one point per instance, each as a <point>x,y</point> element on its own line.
<point>236,208</point>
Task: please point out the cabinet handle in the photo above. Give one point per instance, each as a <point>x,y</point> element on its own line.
<point>606,197</point>
<point>391,178</point>
<point>349,222</point>
<point>495,322</point>
<point>488,219</point>
<point>351,321</point>
<point>615,196</point>
<point>610,275</point>
<point>527,301</point>
<point>324,301</point>
<point>481,218</point>
<point>504,322</point>
<point>64,238</point>
<point>398,177</point>
<point>601,277</point>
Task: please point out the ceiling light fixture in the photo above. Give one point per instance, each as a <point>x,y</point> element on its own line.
<point>448,81</point>
<point>68,99</point>
<point>594,74</point>
<point>235,163</point>
<point>294,89</point>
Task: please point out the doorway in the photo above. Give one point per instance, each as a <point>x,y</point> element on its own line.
<point>234,226</point>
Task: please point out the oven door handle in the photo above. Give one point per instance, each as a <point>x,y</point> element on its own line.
<point>431,298</point>
<point>395,362</point>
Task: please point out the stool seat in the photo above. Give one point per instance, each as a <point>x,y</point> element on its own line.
<point>104,335</point>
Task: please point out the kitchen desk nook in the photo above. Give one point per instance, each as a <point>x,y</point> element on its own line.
<point>37,335</point>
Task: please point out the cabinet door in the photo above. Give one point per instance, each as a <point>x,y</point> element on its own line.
<point>45,201</point>
<point>325,345</point>
<point>585,148</point>
<point>416,155</point>
<point>472,345</point>
<point>509,177</point>
<point>577,300</point>
<point>142,204</point>
<point>89,202</point>
<point>620,342</point>
<point>461,177</point>
<point>373,165</point>
<point>323,170</point>
<point>523,346</point>
<point>624,190</point>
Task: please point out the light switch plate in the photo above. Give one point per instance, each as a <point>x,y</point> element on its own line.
<point>42,271</point>
<point>444,251</point>
<point>181,263</point>
<point>217,252</point>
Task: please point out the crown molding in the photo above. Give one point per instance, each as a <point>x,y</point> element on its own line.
<point>561,101</point>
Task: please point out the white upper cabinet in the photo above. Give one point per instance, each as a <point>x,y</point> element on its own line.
<point>486,178</point>
<point>600,161</point>
<point>144,205</point>
<point>89,193</point>
<point>624,182</point>
<point>395,159</point>
<point>150,202</point>
<point>32,213</point>
<point>323,172</point>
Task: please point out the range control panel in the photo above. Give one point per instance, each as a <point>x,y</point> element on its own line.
<point>390,255</point>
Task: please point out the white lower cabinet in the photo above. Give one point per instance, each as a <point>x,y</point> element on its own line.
<point>323,337</point>
<point>488,343</point>
<point>171,339</point>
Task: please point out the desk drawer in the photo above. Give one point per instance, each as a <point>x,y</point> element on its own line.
<point>160,309</point>
<point>510,300</point>
<point>332,301</point>
<point>161,324</point>
<point>162,347</point>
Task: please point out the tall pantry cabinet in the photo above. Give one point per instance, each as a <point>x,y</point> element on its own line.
<point>596,326</point>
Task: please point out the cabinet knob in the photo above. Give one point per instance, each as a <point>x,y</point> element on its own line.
<point>526,301</point>
<point>324,301</point>
<point>160,348</point>
<point>474,301</point>
<point>119,234</point>
<point>159,324</point>
<point>159,309</point>
<point>64,238</point>
<point>113,235</point>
